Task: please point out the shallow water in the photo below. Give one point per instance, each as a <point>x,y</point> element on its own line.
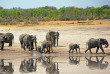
<point>65,64</point>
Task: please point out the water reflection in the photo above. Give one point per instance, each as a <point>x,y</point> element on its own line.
<point>74,60</point>
<point>51,67</point>
<point>6,69</point>
<point>97,64</point>
<point>28,66</point>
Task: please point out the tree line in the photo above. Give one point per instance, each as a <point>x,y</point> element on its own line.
<point>48,13</point>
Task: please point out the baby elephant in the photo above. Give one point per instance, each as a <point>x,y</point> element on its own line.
<point>73,46</point>
<point>39,49</point>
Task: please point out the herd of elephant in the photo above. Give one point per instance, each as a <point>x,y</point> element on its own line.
<point>27,41</point>
<point>30,65</point>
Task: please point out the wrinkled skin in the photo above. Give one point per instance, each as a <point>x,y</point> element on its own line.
<point>21,39</point>
<point>28,42</point>
<point>35,41</point>
<point>10,38</point>
<point>47,45</point>
<point>28,66</point>
<point>73,46</point>
<point>6,69</point>
<point>92,43</point>
<point>98,64</point>
<point>2,40</point>
<point>52,36</point>
<point>74,60</point>
<point>51,67</point>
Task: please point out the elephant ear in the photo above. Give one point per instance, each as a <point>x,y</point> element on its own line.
<point>101,41</point>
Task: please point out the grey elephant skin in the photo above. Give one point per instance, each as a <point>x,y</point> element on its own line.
<point>93,43</point>
<point>6,69</point>
<point>2,40</point>
<point>52,36</point>
<point>97,64</point>
<point>46,45</point>
<point>74,46</point>
<point>28,66</point>
<point>10,38</point>
<point>27,41</point>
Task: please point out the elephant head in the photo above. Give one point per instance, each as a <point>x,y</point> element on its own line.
<point>104,42</point>
<point>35,40</point>
<point>57,36</point>
<point>31,42</point>
<point>78,47</point>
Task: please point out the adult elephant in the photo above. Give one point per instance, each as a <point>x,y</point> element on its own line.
<point>92,43</point>
<point>35,41</point>
<point>10,38</point>
<point>52,36</point>
<point>6,69</point>
<point>2,40</point>
<point>47,45</point>
<point>28,39</point>
<point>98,64</point>
<point>28,66</point>
<point>21,39</point>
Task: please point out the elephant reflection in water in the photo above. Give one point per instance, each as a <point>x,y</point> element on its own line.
<point>28,66</point>
<point>74,60</point>
<point>6,69</point>
<point>51,67</point>
<point>98,64</point>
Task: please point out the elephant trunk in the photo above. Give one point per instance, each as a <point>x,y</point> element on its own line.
<point>79,49</point>
<point>36,45</point>
<point>57,41</point>
<point>106,44</point>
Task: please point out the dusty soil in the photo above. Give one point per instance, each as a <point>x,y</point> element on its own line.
<point>68,34</point>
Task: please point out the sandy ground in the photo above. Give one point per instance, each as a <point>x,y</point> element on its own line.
<point>68,34</point>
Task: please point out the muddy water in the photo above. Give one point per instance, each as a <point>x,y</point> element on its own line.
<point>61,64</point>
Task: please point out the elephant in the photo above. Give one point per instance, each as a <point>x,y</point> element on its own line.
<point>35,41</point>
<point>21,39</point>
<point>10,38</point>
<point>92,43</point>
<point>2,41</point>
<point>27,41</point>
<point>51,67</point>
<point>74,46</point>
<point>74,60</point>
<point>39,49</point>
<point>6,69</point>
<point>28,66</point>
<point>52,36</point>
<point>47,45</point>
<point>98,64</point>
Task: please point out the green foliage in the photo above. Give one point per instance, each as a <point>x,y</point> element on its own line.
<point>52,14</point>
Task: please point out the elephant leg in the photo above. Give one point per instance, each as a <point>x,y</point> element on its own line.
<point>102,49</point>
<point>49,50</point>
<point>72,50</point>
<point>90,50</point>
<point>24,46</point>
<point>69,50</point>
<point>2,47</point>
<point>86,50</point>
<point>76,50</point>
<point>97,49</point>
